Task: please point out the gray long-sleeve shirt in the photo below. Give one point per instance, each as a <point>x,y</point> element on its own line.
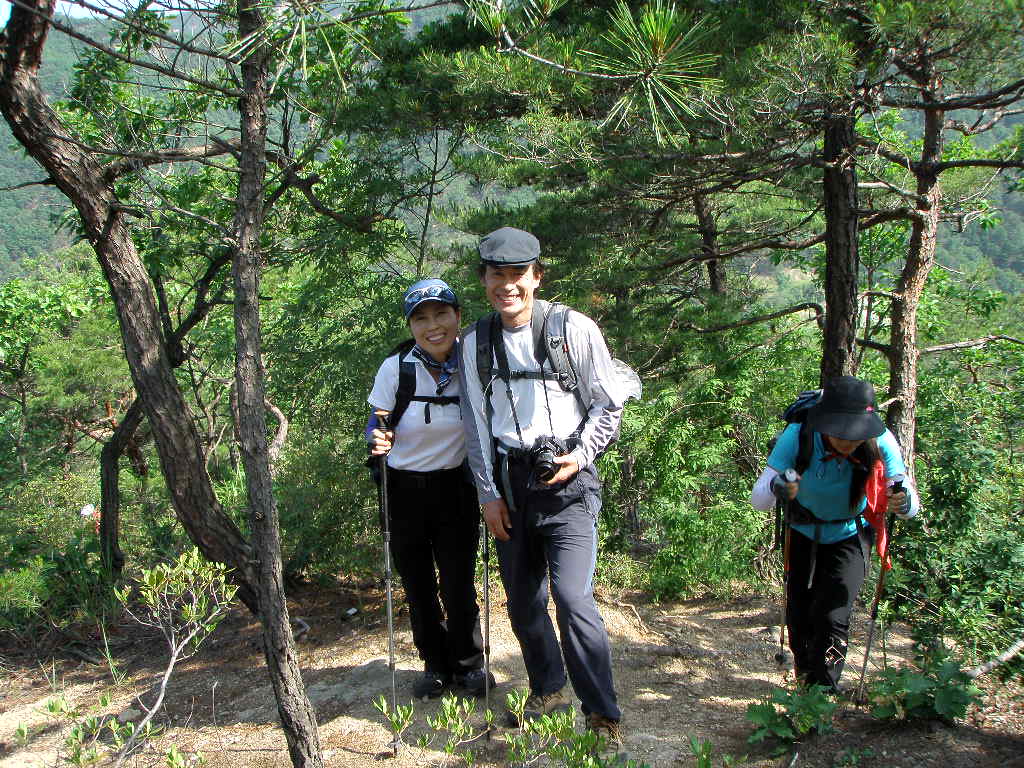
<point>539,412</point>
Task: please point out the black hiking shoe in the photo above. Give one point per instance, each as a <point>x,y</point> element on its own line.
<point>476,681</point>
<point>431,685</point>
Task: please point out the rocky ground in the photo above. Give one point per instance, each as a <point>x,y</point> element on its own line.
<point>681,669</point>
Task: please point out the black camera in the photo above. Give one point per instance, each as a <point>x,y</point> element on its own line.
<point>542,457</point>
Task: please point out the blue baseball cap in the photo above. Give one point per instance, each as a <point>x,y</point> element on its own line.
<point>509,247</point>
<point>431,289</point>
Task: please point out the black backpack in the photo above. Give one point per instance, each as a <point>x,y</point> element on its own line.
<point>796,413</point>
<point>406,391</point>
<point>549,343</point>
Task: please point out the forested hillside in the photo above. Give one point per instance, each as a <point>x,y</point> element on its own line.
<point>749,198</point>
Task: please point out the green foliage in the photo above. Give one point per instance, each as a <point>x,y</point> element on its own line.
<point>555,737</point>
<point>850,757</point>
<point>453,720</point>
<point>42,514</point>
<point>23,592</point>
<point>939,689</point>
<point>789,716</point>
<point>399,719</point>
<point>704,753</point>
<point>185,600</point>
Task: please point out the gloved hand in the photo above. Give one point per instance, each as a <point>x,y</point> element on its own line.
<point>786,485</point>
<point>899,501</point>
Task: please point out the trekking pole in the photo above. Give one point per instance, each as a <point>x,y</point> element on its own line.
<point>781,657</point>
<point>487,623</point>
<point>790,476</point>
<point>890,525</point>
<point>386,530</point>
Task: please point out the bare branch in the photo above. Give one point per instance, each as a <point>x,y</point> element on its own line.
<point>150,32</point>
<point>983,669</point>
<point>134,161</point>
<point>170,72</point>
<point>972,343</point>
<point>275,447</point>
<point>42,183</point>
<point>885,349</point>
<point>977,163</point>
<point>818,310</point>
<point>512,47</point>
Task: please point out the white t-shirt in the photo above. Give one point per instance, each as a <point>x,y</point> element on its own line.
<point>542,406</point>
<point>418,446</point>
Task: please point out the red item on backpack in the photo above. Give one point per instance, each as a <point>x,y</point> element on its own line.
<point>876,493</point>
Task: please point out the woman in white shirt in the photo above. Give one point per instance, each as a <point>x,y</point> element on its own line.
<point>434,513</point>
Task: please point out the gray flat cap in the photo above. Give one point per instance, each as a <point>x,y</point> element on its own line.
<point>509,247</point>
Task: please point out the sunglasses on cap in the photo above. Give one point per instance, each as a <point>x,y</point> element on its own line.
<point>436,292</point>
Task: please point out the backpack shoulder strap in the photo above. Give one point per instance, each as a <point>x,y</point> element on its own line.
<point>406,389</point>
<point>551,343</point>
<point>488,336</point>
<point>805,448</point>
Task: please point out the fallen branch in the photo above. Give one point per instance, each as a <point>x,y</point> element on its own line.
<point>983,669</point>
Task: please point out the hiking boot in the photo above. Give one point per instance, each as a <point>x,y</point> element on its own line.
<point>606,727</point>
<point>476,681</point>
<point>537,705</point>
<point>431,685</point>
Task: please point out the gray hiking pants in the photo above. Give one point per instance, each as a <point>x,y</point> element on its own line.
<point>554,542</point>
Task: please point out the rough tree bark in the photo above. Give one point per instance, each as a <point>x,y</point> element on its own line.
<point>110,489</point>
<point>842,260</point>
<point>903,352</point>
<point>81,178</point>
<point>293,706</point>
<point>707,226</point>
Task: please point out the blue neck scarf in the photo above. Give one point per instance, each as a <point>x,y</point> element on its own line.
<point>448,368</point>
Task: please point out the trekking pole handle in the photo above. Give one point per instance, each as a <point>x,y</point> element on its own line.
<point>779,483</point>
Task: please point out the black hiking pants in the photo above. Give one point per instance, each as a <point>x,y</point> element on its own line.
<point>435,523</point>
<point>818,616</point>
<point>554,545</point>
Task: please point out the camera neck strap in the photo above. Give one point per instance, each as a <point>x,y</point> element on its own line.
<point>501,358</point>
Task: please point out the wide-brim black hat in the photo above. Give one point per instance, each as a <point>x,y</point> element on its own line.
<point>846,410</point>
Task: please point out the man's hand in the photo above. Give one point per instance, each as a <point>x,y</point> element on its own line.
<point>381,442</point>
<point>497,519</point>
<point>567,469</point>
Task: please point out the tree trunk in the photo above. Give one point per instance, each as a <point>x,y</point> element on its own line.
<point>80,177</point>
<point>297,715</point>
<point>842,260</point>
<point>901,416</point>
<point>707,226</point>
<point>110,490</point>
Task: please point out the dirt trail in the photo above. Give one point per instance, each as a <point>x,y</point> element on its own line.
<point>681,669</point>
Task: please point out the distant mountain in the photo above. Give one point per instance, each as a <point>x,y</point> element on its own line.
<point>28,216</point>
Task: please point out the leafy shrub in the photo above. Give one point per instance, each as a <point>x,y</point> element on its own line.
<point>328,510</point>
<point>711,547</point>
<point>42,513</point>
<point>788,716</point>
<point>23,591</point>
<point>938,690</point>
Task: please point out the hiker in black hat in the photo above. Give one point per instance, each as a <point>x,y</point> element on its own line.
<point>434,515</point>
<point>534,427</point>
<point>845,447</point>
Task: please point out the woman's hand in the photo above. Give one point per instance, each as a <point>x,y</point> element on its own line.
<point>381,443</point>
<point>899,503</point>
